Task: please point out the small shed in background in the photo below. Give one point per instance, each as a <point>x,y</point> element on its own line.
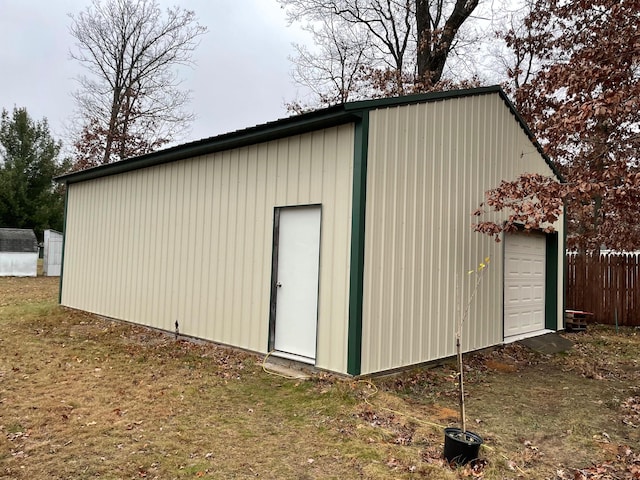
<point>18,253</point>
<point>52,255</point>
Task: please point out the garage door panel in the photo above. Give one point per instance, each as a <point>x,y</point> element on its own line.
<point>524,292</point>
<point>532,320</point>
<point>524,284</point>
<point>512,293</point>
<point>510,318</point>
<point>538,269</point>
<point>538,295</point>
<point>526,266</point>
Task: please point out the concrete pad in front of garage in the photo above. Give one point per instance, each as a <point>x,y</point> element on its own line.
<point>548,343</point>
<point>285,371</point>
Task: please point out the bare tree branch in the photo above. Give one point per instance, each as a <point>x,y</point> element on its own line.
<point>131,98</point>
<point>401,46</point>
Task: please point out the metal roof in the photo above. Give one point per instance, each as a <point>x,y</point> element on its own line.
<point>18,240</point>
<point>306,122</point>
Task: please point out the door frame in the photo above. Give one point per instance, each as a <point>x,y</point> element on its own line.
<point>551,283</point>
<point>273,300</point>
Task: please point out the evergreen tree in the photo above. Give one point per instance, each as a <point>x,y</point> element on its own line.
<point>29,160</point>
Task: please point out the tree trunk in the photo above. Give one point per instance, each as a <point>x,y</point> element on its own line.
<point>434,47</point>
<point>463,415</point>
<point>111,129</point>
<point>423,25</point>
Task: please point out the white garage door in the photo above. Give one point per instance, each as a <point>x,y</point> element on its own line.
<point>524,282</point>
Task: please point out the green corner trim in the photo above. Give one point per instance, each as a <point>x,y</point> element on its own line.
<point>551,282</point>
<point>565,266</point>
<point>356,276</point>
<point>64,236</point>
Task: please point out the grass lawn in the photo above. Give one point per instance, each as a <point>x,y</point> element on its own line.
<point>83,397</point>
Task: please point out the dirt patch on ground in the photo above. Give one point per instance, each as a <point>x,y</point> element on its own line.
<point>87,397</point>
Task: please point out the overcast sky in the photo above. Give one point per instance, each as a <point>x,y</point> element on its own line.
<point>242,77</point>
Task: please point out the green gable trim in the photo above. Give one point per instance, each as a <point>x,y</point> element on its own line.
<point>326,118</point>
<point>420,98</point>
<point>307,122</point>
<point>551,282</point>
<point>451,94</point>
<point>354,340</point>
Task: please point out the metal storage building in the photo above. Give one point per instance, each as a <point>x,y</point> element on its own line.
<point>52,255</point>
<point>18,252</point>
<point>334,238</point>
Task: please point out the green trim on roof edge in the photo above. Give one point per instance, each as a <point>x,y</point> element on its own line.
<point>324,118</point>
<point>450,94</point>
<point>328,117</point>
<point>420,98</point>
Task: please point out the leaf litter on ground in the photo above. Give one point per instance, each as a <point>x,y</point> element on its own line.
<point>81,393</point>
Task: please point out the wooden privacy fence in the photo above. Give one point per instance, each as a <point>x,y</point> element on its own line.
<point>605,284</point>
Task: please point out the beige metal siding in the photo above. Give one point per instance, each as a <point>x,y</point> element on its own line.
<point>192,240</point>
<point>428,168</point>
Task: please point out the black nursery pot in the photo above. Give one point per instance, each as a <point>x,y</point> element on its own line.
<point>461,448</point>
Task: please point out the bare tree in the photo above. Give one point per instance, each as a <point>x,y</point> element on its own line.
<point>521,48</point>
<point>131,101</point>
<point>400,46</point>
<point>333,70</point>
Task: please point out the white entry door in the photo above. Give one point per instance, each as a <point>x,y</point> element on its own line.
<point>298,263</point>
<point>524,284</point>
